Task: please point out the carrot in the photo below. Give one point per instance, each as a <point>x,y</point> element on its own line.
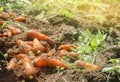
<point>83,64</point>
<point>40,62</point>
<point>52,52</point>
<point>4,34</point>
<point>28,67</point>
<point>20,18</point>
<point>14,30</point>
<point>23,46</point>
<point>73,54</point>
<point>4,15</point>
<point>12,14</point>
<point>1,23</point>
<point>63,53</point>
<point>12,64</point>
<point>30,43</point>
<point>66,47</point>
<point>37,45</point>
<point>34,34</point>
<point>52,62</point>
<point>7,32</point>
<point>20,56</point>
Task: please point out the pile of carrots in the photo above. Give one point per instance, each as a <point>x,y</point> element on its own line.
<point>38,51</point>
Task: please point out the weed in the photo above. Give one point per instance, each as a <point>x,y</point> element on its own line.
<point>58,69</point>
<point>20,6</point>
<point>4,56</point>
<point>89,44</point>
<point>114,68</point>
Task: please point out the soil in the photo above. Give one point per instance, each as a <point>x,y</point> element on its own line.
<point>61,30</point>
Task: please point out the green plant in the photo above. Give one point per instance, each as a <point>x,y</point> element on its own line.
<point>58,69</point>
<point>4,56</point>
<point>89,44</point>
<point>114,68</point>
<point>20,6</point>
<point>119,41</point>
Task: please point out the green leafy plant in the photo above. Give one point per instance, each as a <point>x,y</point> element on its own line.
<point>114,68</point>
<point>89,44</point>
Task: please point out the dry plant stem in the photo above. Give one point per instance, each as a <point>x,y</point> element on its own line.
<point>108,77</point>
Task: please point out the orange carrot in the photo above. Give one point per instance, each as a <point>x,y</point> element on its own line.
<point>52,62</point>
<point>66,47</point>
<point>1,23</point>
<point>34,34</point>
<point>12,64</point>
<point>30,43</point>
<point>4,15</point>
<point>52,52</point>
<point>4,34</point>
<point>73,54</point>
<point>37,45</point>
<point>83,64</point>
<point>28,67</point>
<point>20,18</point>
<point>14,30</point>
<point>63,53</point>
<point>23,46</point>
<point>20,56</point>
<point>7,32</point>
<point>12,14</point>
<point>40,62</point>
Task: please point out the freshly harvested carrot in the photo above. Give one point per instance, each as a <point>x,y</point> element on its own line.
<point>20,56</point>
<point>63,53</point>
<point>12,64</point>
<point>23,46</point>
<point>14,30</point>
<point>12,14</point>
<point>40,62</point>
<point>52,52</point>
<point>4,15</point>
<point>34,34</point>
<point>7,32</point>
<point>1,23</point>
<point>52,62</point>
<point>4,34</point>
<point>83,64</point>
<point>73,54</point>
<point>20,18</point>
<point>37,45</point>
<point>28,67</point>
<point>30,43</point>
<point>66,47</point>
